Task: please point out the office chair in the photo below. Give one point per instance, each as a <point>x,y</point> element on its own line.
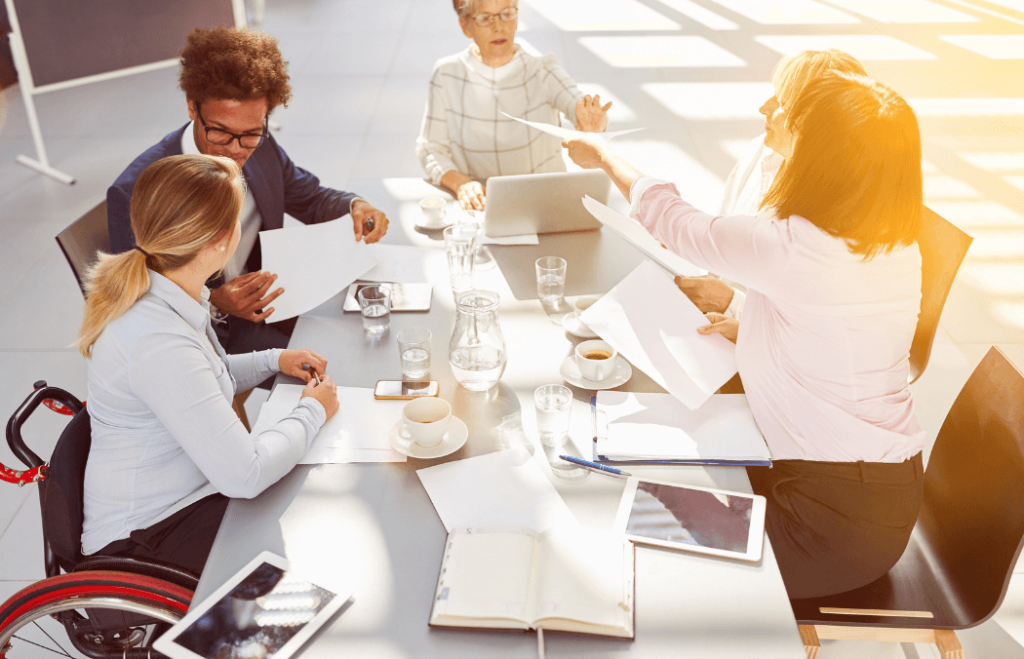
<point>81,241</point>
<point>943,247</point>
<point>969,533</point>
<point>109,606</point>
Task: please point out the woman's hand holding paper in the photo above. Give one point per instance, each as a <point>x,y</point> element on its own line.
<point>721,324</point>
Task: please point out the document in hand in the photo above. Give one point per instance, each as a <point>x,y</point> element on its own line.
<point>638,427</point>
<point>503,488</point>
<point>634,233</point>
<point>654,325</point>
<point>358,432</point>
<point>566,579</point>
<point>569,133</point>
<point>313,263</point>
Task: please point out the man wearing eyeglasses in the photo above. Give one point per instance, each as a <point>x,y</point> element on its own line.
<point>233,79</point>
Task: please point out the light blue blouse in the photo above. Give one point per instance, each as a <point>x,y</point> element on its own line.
<point>164,434</point>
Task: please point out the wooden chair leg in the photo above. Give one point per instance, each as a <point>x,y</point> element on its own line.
<point>810,638</point>
<point>949,644</point>
<point>238,404</point>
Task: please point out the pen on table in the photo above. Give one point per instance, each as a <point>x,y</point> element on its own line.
<point>593,466</point>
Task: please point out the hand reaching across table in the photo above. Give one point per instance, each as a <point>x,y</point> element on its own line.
<point>721,324</point>
<point>362,211</point>
<point>708,293</point>
<point>591,116</point>
<point>246,296</point>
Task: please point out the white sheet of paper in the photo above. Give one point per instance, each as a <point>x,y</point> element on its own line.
<point>403,264</point>
<point>569,133</point>
<point>650,321</point>
<point>503,488</point>
<point>657,426</point>
<point>634,233</point>
<point>313,263</point>
<point>357,433</point>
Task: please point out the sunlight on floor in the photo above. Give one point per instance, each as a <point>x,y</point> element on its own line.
<point>906,11</point>
<point>992,46</point>
<point>968,107</point>
<point>700,14</point>
<point>659,52</point>
<point>865,47</point>
<point>711,100</point>
<point>599,15</point>
<point>788,12</point>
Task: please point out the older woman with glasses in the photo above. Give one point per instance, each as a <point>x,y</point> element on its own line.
<point>465,139</point>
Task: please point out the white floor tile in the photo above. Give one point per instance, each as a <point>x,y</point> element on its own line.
<point>22,545</point>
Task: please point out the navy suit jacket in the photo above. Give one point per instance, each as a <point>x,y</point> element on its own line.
<point>277,186</point>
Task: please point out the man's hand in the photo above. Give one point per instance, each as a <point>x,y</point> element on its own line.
<point>472,196</point>
<point>246,296</point>
<point>590,116</point>
<point>708,293</point>
<point>294,363</point>
<point>588,152</point>
<point>362,211</point>
<point>727,327</point>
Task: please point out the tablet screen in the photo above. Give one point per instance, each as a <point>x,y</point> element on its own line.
<point>686,516</point>
<point>256,618</point>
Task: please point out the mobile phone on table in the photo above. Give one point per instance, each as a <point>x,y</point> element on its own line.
<point>404,389</point>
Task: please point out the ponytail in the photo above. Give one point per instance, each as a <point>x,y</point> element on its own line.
<point>112,286</point>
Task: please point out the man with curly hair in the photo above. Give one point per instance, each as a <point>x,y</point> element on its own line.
<point>233,79</point>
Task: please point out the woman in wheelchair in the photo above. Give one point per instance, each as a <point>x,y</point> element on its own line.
<point>167,448</point>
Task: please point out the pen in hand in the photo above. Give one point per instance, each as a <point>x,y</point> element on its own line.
<point>315,375</point>
<point>368,225</point>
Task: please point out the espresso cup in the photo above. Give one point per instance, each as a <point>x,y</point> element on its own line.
<point>582,304</point>
<point>433,209</point>
<point>595,359</point>
<point>427,420</point>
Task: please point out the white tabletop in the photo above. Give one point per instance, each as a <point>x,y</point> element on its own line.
<point>372,525</point>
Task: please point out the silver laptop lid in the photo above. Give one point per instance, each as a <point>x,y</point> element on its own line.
<point>542,203</point>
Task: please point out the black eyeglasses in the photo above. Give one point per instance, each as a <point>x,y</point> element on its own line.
<point>221,137</point>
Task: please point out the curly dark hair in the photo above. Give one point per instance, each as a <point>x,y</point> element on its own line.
<point>236,64</point>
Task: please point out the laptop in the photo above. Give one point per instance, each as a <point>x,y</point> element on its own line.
<point>543,203</point>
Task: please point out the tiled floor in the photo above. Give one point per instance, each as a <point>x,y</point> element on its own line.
<point>682,69</point>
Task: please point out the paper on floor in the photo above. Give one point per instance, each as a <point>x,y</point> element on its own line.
<point>569,133</point>
<point>654,325</point>
<point>634,233</point>
<point>503,488</point>
<point>313,263</point>
<point>357,433</point>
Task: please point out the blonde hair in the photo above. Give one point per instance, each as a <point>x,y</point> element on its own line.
<point>793,73</point>
<point>180,204</point>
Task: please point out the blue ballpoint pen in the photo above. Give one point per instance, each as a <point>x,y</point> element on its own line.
<point>593,466</point>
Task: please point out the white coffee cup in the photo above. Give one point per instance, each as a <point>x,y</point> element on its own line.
<point>427,420</point>
<point>433,209</point>
<point>582,304</point>
<point>592,367</point>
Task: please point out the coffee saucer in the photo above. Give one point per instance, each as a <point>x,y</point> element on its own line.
<point>446,221</point>
<point>453,440</point>
<point>620,375</point>
<point>573,326</point>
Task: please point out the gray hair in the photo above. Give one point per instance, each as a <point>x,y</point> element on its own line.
<point>464,8</point>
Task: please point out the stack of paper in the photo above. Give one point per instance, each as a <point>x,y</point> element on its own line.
<point>506,488</point>
<point>654,325</point>
<point>657,428</point>
<point>358,432</point>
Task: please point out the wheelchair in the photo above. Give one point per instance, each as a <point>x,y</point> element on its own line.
<point>109,606</point>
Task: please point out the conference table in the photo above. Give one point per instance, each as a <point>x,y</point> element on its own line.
<point>373,525</point>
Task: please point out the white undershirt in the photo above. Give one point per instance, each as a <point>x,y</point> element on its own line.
<point>250,217</point>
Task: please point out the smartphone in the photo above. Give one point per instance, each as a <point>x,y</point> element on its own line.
<point>404,389</point>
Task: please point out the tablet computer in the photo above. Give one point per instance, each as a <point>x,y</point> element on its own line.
<point>404,297</point>
<point>690,518</point>
<point>265,610</point>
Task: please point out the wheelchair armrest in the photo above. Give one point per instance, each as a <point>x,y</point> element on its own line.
<point>21,415</point>
<point>146,567</point>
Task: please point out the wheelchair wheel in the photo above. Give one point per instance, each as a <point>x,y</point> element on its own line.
<point>105,613</point>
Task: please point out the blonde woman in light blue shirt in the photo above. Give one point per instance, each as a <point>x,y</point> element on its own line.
<point>167,447</point>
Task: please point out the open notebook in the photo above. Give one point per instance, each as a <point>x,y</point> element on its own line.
<point>564,579</point>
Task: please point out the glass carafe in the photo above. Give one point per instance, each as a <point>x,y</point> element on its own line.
<point>477,348</point>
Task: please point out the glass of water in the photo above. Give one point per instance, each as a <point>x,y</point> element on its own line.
<point>550,278</point>
<point>554,403</point>
<point>414,351</point>
<point>460,243</point>
<point>375,304</point>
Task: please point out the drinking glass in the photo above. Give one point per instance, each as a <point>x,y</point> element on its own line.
<point>550,278</point>
<point>460,243</point>
<point>554,403</point>
<point>375,305</point>
<point>414,351</point>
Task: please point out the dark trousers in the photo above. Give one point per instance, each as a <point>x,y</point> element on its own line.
<point>183,539</point>
<point>239,336</point>
<point>837,526</point>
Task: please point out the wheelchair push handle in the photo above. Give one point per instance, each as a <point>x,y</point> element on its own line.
<point>54,398</point>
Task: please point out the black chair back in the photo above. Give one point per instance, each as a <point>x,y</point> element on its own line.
<point>943,247</point>
<point>973,512</point>
<point>81,241</point>
<point>62,492</point>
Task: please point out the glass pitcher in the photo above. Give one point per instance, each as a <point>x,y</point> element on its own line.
<point>477,348</point>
